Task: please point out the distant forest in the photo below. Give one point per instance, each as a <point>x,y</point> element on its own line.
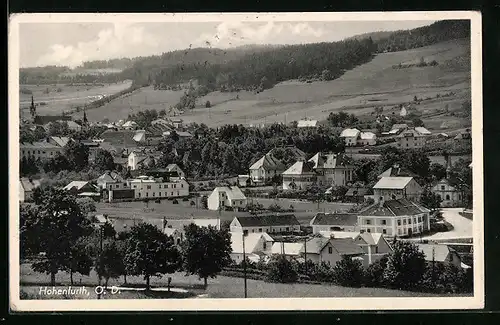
<point>254,67</point>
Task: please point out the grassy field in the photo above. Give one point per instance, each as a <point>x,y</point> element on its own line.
<point>220,287</point>
<point>67,97</point>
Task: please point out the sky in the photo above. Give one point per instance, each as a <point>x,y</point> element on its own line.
<point>70,44</point>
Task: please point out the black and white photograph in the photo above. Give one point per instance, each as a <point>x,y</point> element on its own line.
<point>270,161</point>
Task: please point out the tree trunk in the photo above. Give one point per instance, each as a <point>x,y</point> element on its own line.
<point>125,278</point>
<point>106,283</point>
<point>147,282</point>
<point>53,278</point>
<point>71,276</point>
<point>205,282</point>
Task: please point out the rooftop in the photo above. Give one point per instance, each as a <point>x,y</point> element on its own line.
<point>349,133</point>
<point>232,192</point>
<point>38,145</point>
<point>268,162</point>
<point>436,252</point>
<point>334,219</point>
<point>299,168</point>
<point>390,208</point>
<point>392,182</point>
<point>269,220</point>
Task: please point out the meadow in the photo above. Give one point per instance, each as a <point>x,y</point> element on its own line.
<point>220,287</point>
<point>54,99</point>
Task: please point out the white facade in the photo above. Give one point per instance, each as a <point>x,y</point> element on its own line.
<point>133,160</point>
<point>236,226</point>
<point>40,150</point>
<point>150,188</point>
<point>393,188</point>
<point>406,225</point>
<point>222,197</point>
<point>450,196</point>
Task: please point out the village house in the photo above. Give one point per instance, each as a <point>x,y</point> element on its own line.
<point>398,128</point>
<point>257,245</point>
<point>391,188</point>
<point>463,139</point>
<point>333,222</point>
<point>227,197</point>
<point>130,125</point>
<point>332,169</point>
<point>125,138</point>
<point>395,218</point>
<point>290,251</point>
<point>411,139</point>
<point>274,223</point>
<point>439,253</point>
<point>450,195</point>
<point>177,235</point>
<point>299,176</point>
<point>358,194</point>
<point>111,180</point>
<point>158,188</point>
<point>59,141</point>
<point>45,119</point>
<point>174,168</point>
<point>330,250</point>
<point>26,188</point>
<point>367,139</point>
<point>140,159</point>
<point>83,189</point>
<point>40,150</point>
<point>265,169</point>
<point>374,245</point>
<point>397,171</point>
<point>350,137</point>
<point>244,181</point>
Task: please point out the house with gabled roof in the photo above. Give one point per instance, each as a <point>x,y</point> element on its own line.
<point>330,250</point>
<point>59,141</point>
<point>224,197</point>
<point>439,253</point>
<point>299,176</point>
<point>174,168</point>
<point>367,138</point>
<point>256,245</point>
<point>39,150</point>
<point>307,123</point>
<point>391,188</point>
<point>350,136</point>
<point>270,223</point>
<point>332,169</point>
<point>264,169</point>
<point>399,217</point>
<point>26,188</point>
<point>412,138</point>
<point>109,180</point>
<point>83,189</point>
<point>290,251</point>
<point>450,193</point>
<point>334,222</point>
<point>397,170</point>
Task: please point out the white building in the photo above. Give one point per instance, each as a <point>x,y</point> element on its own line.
<point>307,123</point>
<point>391,188</point>
<point>299,176</point>
<point>148,187</point>
<point>40,150</point>
<point>350,136</point>
<point>395,218</point>
<point>175,168</point>
<point>451,196</point>
<point>265,169</point>
<point>265,223</point>
<point>226,196</point>
<point>26,188</point>
<point>367,139</point>
<point>332,169</point>
<point>256,245</point>
<point>334,222</point>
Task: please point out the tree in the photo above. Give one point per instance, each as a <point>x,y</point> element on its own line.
<point>405,266</point>
<point>104,160</point>
<point>207,104</point>
<point>28,166</point>
<point>417,122</point>
<point>430,200</point>
<point>54,227</point>
<point>281,270</point>
<point>436,172</point>
<point>326,75</point>
<point>375,271</point>
<point>77,154</point>
<point>87,205</point>
<point>150,252</point>
<point>110,263</point>
<point>348,272</point>
<point>80,261</point>
<point>206,251</point>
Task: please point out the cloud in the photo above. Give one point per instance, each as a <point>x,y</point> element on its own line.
<point>230,34</point>
<point>122,40</point>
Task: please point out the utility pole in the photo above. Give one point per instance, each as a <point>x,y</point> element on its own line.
<point>244,263</point>
<point>305,254</point>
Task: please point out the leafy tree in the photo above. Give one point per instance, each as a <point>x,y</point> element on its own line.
<point>405,266</point>
<point>326,75</point>
<point>80,261</point>
<point>54,228</point>
<point>58,163</point>
<point>281,270</point>
<point>417,122</point>
<point>206,251</point>
<point>207,104</point>
<point>150,252</point>
<point>375,271</point>
<point>87,205</point>
<point>348,272</point>
<point>104,160</point>
<point>77,154</point>
<point>28,166</point>
<point>436,172</point>
<point>110,263</point>
<point>430,200</point>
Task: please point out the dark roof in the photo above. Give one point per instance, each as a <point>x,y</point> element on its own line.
<point>397,171</point>
<point>346,246</point>
<point>119,137</point>
<point>359,191</point>
<point>268,220</point>
<point>334,219</point>
<point>400,207</point>
<point>44,119</point>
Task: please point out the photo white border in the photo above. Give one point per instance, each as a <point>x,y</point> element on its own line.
<point>264,304</point>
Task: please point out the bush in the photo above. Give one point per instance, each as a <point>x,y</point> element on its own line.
<point>175,201</point>
<point>185,199</point>
<point>445,278</point>
<point>348,272</point>
<point>405,266</point>
<point>374,273</point>
<point>281,270</point>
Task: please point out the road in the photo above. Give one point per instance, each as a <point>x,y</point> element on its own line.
<point>462,227</point>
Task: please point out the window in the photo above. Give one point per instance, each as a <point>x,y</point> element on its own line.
<point>139,194</point>
<point>153,193</point>
<point>51,153</point>
<point>159,186</point>
<point>404,221</point>
<point>442,187</point>
<point>330,250</point>
<point>174,186</point>
<point>260,229</point>
<point>159,193</point>
<point>253,230</point>
<point>148,187</point>
<point>384,231</point>
<point>376,250</point>
<point>368,222</point>
<point>384,222</point>
<point>407,144</point>
<point>38,151</point>
<point>368,230</point>
<point>147,194</point>
<point>287,229</point>
<point>44,152</point>
<point>172,193</point>
<point>245,232</point>
<point>447,196</point>
<point>177,193</point>
<point>399,222</point>
<point>117,185</point>
<point>264,245</point>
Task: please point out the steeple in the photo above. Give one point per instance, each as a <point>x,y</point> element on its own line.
<point>85,121</point>
<point>32,107</point>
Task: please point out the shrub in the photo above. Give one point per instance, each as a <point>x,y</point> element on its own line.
<point>374,273</point>
<point>281,270</point>
<point>405,266</point>
<point>185,199</point>
<point>348,272</point>
<point>444,278</point>
<point>175,201</point>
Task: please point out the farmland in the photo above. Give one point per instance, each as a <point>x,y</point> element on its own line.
<point>53,99</point>
<point>220,287</point>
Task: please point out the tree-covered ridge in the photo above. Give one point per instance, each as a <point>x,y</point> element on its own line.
<point>437,32</point>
